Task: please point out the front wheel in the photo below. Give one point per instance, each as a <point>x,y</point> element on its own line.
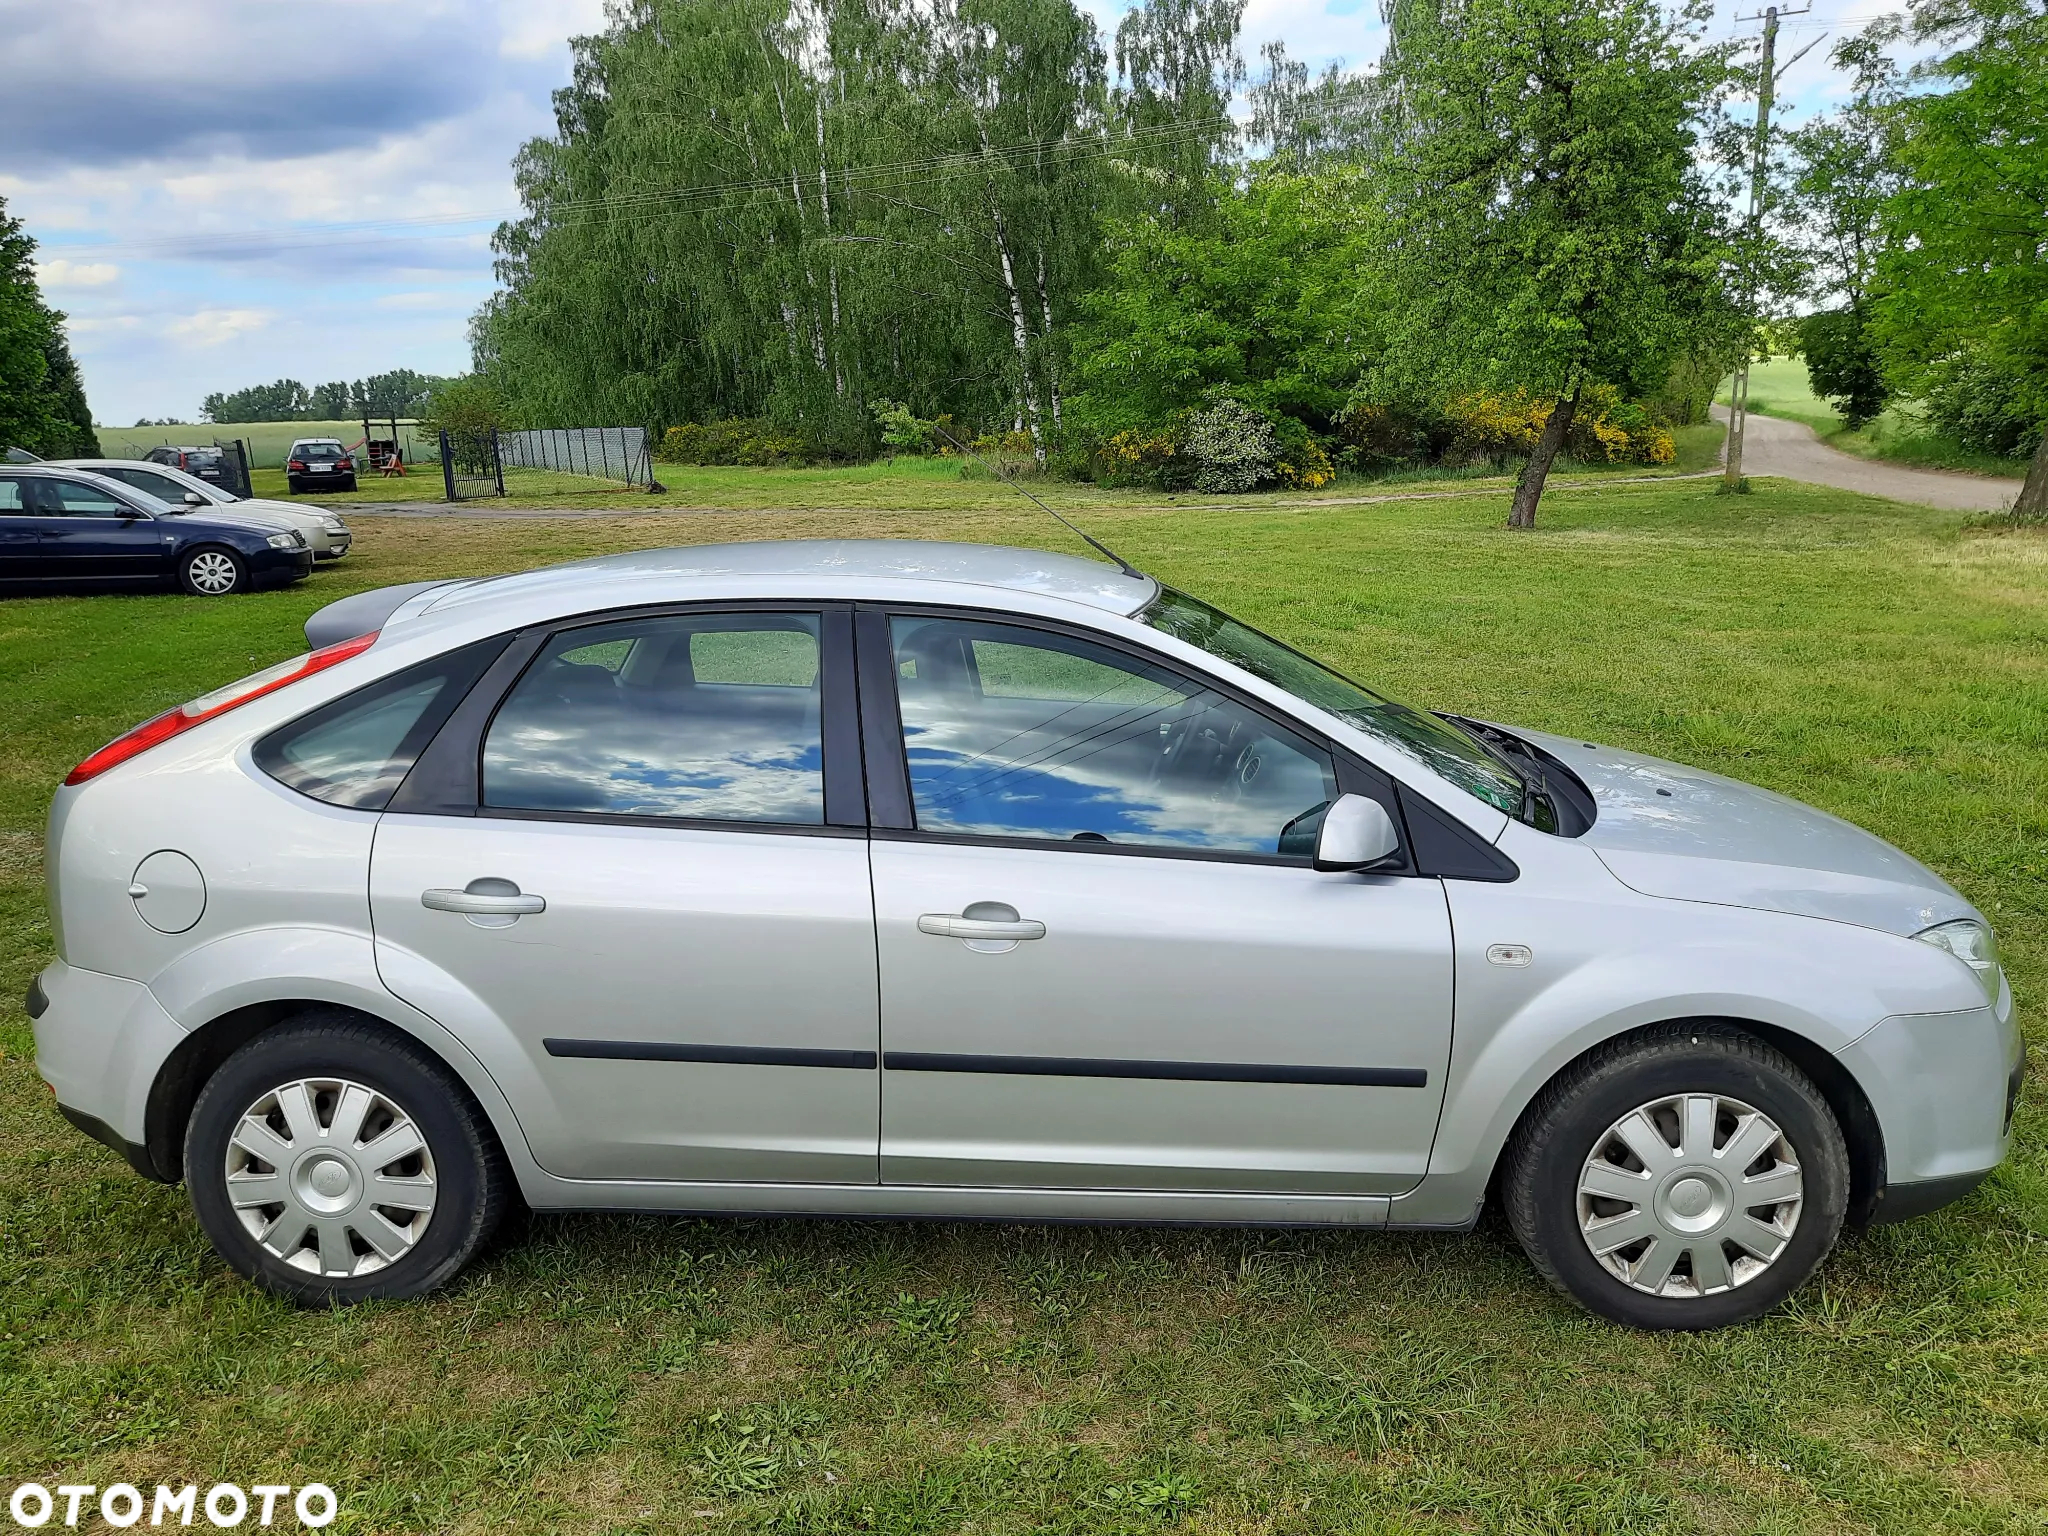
<point>332,1161</point>
<point>1688,1177</point>
<point>212,572</point>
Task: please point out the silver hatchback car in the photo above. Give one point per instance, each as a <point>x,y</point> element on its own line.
<point>932,880</point>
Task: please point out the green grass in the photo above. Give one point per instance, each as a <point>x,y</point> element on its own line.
<point>639,1375</point>
<point>1780,387</point>
<point>267,440</point>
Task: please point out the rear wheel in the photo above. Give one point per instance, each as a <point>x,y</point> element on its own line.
<point>332,1161</point>
<point>1689,1177</point>
<point>211,571</point>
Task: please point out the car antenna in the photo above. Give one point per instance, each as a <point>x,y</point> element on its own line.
<point>1088,538</point>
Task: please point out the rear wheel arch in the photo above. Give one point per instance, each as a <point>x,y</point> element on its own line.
<point>1861,1132</point>
<point>185,1072</point>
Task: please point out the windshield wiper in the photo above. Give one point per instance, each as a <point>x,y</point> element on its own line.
<point>1516,755</point>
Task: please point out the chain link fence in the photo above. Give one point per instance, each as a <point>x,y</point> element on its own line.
<point>604,453</point>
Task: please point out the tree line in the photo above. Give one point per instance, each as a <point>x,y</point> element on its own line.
<point>42,400</point>
<point>400,392</point>
<point>1915,217</point>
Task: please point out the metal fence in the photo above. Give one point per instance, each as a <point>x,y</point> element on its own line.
<point>234,467</point>
<point>471,465</point>
<point>605,453</point>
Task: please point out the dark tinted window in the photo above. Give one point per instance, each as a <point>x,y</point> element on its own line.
<point>70,498</point>
<point>163,487</point>
<point>358,749</point>
<point>710,717</point>
<point>1017,732</point>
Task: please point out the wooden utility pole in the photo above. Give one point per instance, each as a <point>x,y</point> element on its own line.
<point>1766,89</point>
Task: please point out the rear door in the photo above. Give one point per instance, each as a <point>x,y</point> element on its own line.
<point>642,883</point>
<point>1105,959</point>
<point>90,534</point>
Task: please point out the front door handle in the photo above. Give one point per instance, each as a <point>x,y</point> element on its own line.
<point>946,925</point>
<point>485,903</point>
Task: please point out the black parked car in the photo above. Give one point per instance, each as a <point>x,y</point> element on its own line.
<point>209,464</point>
<point>318,464</point>
<point>75,528</point>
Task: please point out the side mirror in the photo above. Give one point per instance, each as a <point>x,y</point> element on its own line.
<point>194,499</point>
<point>1357,833</point>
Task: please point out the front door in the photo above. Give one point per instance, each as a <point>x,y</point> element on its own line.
<point>649,925</point>
<point>20,531</point>
<point>92,535</point>
<point>1105,960</point>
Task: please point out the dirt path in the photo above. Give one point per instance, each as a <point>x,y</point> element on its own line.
<point>1774,446</point>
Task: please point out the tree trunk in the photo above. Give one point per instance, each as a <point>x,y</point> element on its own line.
<point>2033,501</point>
<point>1529,487</point>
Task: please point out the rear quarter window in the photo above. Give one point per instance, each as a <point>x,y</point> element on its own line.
<point>357,750</point>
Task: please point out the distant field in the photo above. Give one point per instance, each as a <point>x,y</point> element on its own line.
<point>267,440</point>
<point>1780,388</point>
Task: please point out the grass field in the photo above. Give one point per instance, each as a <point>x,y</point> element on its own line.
<point>1780,388</point>
<point>620,1375</point>
<point>267,440</point>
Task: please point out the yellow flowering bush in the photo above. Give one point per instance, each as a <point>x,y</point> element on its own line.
<point>1605,428</point>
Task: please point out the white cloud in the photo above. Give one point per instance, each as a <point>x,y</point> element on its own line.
<point>60,273</point>
<point>211,327</point>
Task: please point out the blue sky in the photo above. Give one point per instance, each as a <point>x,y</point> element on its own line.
<point>232,191</point>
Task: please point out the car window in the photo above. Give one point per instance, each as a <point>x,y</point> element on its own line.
<point>163,487</point>
<point>71,498</point>
<point>1015,732</point>
<point>712,717</point>
<point>11,498</point>
<point>358,749</point>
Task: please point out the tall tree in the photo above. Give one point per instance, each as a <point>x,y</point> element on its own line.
<point>285,400</point>
<point>1965,264</point>
<point>42,401</point>
<point>1550,223</point>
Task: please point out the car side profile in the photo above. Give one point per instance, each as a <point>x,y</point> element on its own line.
<point>318,464</point>
<point>324,530</point>
<point>907,879</point>
<point>69,529</point>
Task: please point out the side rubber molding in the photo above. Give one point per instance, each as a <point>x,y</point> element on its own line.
<point>98,1129</point>
<point>1902,1202</point>
<point>37,1002</point>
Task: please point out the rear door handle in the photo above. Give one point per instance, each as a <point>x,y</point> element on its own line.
<point>946,925</point>
<point>481,903</point>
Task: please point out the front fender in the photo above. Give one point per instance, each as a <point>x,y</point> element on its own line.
<point>1606,962</point>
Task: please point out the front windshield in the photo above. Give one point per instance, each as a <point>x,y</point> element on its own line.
<point>1436,744</point>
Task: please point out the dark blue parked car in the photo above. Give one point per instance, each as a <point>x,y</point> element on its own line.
<point>73,528</point>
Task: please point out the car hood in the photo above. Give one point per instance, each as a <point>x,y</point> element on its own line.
<point>234,517</point>
<point>296,516</point>
<point>1668,830</point>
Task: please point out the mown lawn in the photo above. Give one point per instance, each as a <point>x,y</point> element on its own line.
<point>611,1374</point>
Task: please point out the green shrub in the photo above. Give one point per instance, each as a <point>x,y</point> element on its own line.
<point>1986,402</point>
<point>1234,448</point>
<point>1842,365</point>
<point>733,441</point>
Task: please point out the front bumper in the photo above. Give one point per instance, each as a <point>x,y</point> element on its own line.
<point>335,545</point>
<point>1944,1087</point>
<point>278,567</point>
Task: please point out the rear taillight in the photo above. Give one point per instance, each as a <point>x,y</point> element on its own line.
<point>298,464</point>
<point>211,706</point>
<point>345,463</point>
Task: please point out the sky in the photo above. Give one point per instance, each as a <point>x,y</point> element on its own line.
<point>227,192</point>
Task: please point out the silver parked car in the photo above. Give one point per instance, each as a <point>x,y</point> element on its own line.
<point>933,880</point>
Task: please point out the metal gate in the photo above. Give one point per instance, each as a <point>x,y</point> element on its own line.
<point>470,464</point>
<point>234,468</point>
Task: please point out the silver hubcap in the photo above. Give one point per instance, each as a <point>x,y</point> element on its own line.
<point>212,571</point>
<point>331,1177</point>
<point>1690,1195</point>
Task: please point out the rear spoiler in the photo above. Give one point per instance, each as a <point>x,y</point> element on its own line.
<point>363,613</point>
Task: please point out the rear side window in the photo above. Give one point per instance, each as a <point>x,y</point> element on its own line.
<point>11,499</point>
<point>709,717</point>
<point>357,750</point>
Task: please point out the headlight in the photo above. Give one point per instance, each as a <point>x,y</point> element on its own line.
<point>1971,942</point>
<point>286,541</point>
<point>335,525</point>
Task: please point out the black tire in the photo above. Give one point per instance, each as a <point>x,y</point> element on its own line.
<point>1571,1119</point>
<point>351,484</point>
<point>202,570</point>
<point>471,1184</point>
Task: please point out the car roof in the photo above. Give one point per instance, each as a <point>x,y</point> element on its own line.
<point>665,574</point>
